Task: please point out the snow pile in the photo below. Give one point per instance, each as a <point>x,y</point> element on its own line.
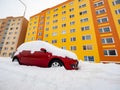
<point>90,76</point>
<point>37,45</point>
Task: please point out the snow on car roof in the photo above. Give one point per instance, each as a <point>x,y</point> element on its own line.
<point>37,45</point>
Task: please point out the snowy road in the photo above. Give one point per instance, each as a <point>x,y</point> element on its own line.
<point>89,77</point>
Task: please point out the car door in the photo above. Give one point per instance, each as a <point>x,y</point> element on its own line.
<point>40,58</point>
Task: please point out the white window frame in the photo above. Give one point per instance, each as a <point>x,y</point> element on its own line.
<point>72,39</point>
<point>85,37</point>
<point>99,11</point>
<point>108,52</point>
<point>103,29</point>
<point>73,48</point>
<point>105,40</point>
<point>72,30</point>
<point>88,47</point>
<point>54,34</point>
<point>63,32</point>
<point>100,20</point>
<point>63,40</point>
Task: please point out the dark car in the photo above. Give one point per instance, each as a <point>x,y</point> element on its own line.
<point>28,55</point>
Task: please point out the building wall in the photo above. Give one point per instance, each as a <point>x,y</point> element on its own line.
<point>32,29</point>
<point>89,28</point>
<point>41,25</point>
<point>106,32</point>
<point>115,10</point>
<point>2,30</point>
<point>14,36</point>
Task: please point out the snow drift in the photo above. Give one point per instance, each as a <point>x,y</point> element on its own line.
<point>91,76</point>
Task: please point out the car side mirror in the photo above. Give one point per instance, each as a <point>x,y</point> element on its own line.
<point>43,50</point>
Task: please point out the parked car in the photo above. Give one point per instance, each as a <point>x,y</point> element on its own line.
<point>43,54</point>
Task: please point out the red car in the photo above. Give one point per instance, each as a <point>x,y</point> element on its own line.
<point>44,58</point>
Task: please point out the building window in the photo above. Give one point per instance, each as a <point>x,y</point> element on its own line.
<point>40,34</point>
<point>87,47</point>
<point>10,54</point>
<point>83,12</point>
<point>89,58</point>
<point>118,21</point>
<point>63,18</point>
<point>55,27</point>
<point>48,12</point>
<point>54,34</point>
<point>11,28</point>
<point>102,20</point>
<point>71,3</point>
<point>63,32</point>
<point>98,3</point>
<point>46,29</point>
<point>86,37</point>
<point>7,43</point>
<point>63,40</point>
<point>110,52</point>
<point>117,11</point>
<point>63,6</point>
<point>13,43</point>
<point>84,20</point>
<point>105,29</point>
<point>72,48</point>
<point>6,48</point>
<point>11,48</point>
<point>63,12</point>
<point>55,15</point>
<point>85,28</point>
<point>48,17</point>
<point>107,40</point>
<point>54,41</point>
<point>34,27</point>
<point>55,21</point>
<point>10,33</point>
<point>73,39</point>
<point>72,23</point>
<point>72,30</point>
<point>46,35</point>
<point>14,37</point>
<point>82,6</point>
<point>101,11</point>
<point>72,16</point>
<point>16,28</point>
<point>4,54</point>
<point>64,25</point>
<point>79,0</point>
<point>47,23</point>
<point>71,9</point>
<point>55,9</point>
<point>63,47</point>
<point>116,2</point>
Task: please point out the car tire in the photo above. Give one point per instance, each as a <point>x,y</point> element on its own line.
<point>16,59</point>
<point>56,63</point>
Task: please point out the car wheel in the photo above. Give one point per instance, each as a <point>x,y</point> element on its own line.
<point>16,60</point>
<point>56,63</point>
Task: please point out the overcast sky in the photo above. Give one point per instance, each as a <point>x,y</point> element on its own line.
<point>15,8</point>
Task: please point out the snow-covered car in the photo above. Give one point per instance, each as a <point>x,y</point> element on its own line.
<point>43,54</point>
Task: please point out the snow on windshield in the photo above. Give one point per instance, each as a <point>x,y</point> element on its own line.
<point>37,45</point>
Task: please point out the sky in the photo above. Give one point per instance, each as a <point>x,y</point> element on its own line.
<point>15,8</point>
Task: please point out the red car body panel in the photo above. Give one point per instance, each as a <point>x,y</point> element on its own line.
<point>43,59</point>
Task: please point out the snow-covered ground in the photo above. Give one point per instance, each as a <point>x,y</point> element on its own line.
<point>90,76</point>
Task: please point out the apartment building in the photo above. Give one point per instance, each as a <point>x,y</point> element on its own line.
<point>89,28</point>
<point>12,33</point>
<point>2,32</point>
